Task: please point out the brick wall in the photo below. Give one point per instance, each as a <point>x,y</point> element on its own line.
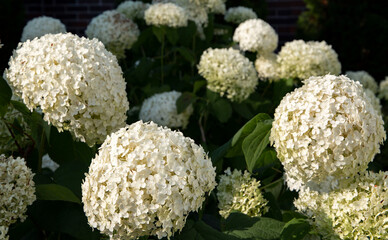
<point>76,14</point>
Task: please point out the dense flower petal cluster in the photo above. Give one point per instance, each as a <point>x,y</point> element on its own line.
<point>300,59</point>
<point>366,80</point>
<point>3,232</point>
<point>145,180</point>
<point>383,89</point>
<point>357,210</point>
<point>133,9</point>
<point>166,14</point>
<point>229,73</point>
<point>324,131</point>
<point>17,190</point>
<point>114,30</point>
<point>40,26</point>
<point>75,81</point>
<point>239,14</point>
<point>238,191</point>
<point>267,66</point>
<point>161,109</point>
<point>375,101</point>
<point>256,35</point>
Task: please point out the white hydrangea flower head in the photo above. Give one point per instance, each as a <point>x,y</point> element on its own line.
<point>17,190</point>
<point>3,232</point>
<point>166,14</point>
<point>375,101</point>
<point>133,9</point>
<point>366,80</point>
<point>145,180</point>
<point>228,73</point>
<point>195,13</point>
<point>47,162</point>
<point>300,59</point>
<point>76,82</point>
<point>40,26</point>
<point>114,30</point>
<point>267,67</point>
<point>161,109</point>
<point>324,131</point>
<point>383,89</point>
<point>357,210</point>
<point>239,191</point>
<point>239,14</point>
<point>216,6</point>
<point>256,35</point>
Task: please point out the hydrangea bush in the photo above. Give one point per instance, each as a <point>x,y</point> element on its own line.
<point>184,119</point>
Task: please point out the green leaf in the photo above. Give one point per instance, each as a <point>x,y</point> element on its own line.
<point>61,147</point>
<point>198,85</point>
<point>70,175</point>
<point>159,32</point>
<point>22,108</point>
<point>184,101</point>
<point>188,54</point>
<point>239,137</point>
<point>222,109</point>
<point>281,88</point>
<point>54,192</point>
<point>254,144</point>
<point>259,228</point>
<point>5,96</point>
<point>295,229</point>
<point>172,35</point>
<point>220,152</point>
<point>201,231</point>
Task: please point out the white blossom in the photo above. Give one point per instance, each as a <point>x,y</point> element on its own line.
<point>256,35</point>
<point>166,14</point>
<point>3,232</point>
<point>356,210</point>
<point>300,59</point>
<point>114,30</point>
<point>133,9</point>
<point>145,180</point>
<point>40,26</point>
<point>239,14</point>
<point>75,81</point>
<point>324,131</point>
<point>228,73</point>
<point>161,109</point>
<point>17,190</point>
<point>366,80</point>
<point>383,89</point>
<point>239,191</point>
<point>47,162</point>
<point>267,66</point>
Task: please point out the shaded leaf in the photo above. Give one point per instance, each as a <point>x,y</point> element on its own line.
<point>201,231</point>
<point>5,96</point>
<point>222,109</point>
<point>159,32</point>
<point>295,229</point>
<point>54,192</point>
<point>184,101</point>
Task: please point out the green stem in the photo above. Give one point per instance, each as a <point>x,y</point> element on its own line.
<point>272,183</point>
<point>41,150</point>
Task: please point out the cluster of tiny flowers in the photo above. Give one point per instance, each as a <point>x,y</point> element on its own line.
<point>216,6</point>
<point>3,233</point>
<point>161,109</point>
<point>375,101</point>
<point>357,210</point>
<point>75,81</point>
<point>240,192</point>
<point>256,35</point>
<point>267,66</point>
<point>133,9</point>
<point>114,30</point>
<point>239,14</point>
<point>366,80</point>
<point>383,89</point>
<point>47,162</point>
<point>166,14</point>
<point>40,26</point>
<point>300,59</point>
<point>17,190</point>
<point>145,180</point>
<point>228,73</point>
<point>324,131</point>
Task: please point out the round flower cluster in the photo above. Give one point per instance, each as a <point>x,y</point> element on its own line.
<point>17,190</point>
<point>324,131</point>
<point>75,81</point>
<point>145,180</point>
<point>300,59</point>
<point>357,210</point>
<point>114,30</point>
<point>168,14</point>
<point>375,101</point>
<point>267,66</point>
<point>366,80</point>
<point>256,35</point>
<point>133,9</point>
<point>240,192</point>
<point>239,14</point>
<point>40,26</point>
<point>3,232</point>
<point>229,73</point>
<point>216,6</point>
<point>161,109</point>
<point>383,89</point>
